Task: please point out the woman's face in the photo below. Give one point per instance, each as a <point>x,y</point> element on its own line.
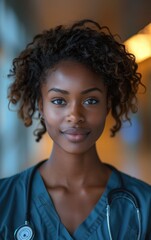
<point>74,106</point>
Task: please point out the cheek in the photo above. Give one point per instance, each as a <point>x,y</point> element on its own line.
<point>53,121</point>
<point>98,118</point>
<point>51,115</point>
<point>98,123</point>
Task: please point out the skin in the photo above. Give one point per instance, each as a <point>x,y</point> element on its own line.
<point>74,106</point>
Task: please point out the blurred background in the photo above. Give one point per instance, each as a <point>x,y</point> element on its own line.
<point>130,150</point>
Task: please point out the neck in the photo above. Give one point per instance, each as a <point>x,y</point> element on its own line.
<point>72,169</point>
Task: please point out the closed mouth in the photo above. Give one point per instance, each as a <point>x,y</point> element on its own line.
<point>76,135</point>
<point>76,131</point>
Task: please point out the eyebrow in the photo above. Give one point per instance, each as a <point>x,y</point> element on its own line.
<point>67,93</point>
<point>91,90</point>
<point>58,90</point>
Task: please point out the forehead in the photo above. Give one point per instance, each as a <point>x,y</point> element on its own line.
<point>71,75</point>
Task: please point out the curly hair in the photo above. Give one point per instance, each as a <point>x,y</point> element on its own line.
<point>85,42</point>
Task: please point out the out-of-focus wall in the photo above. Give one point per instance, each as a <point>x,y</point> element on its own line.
<point>130,150</point>
<point>14,138</point>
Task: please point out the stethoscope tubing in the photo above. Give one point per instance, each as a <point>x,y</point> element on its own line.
<point>109,226</point>
<point>27,224</point>
<point>26,231</point>
<point>130,197</point>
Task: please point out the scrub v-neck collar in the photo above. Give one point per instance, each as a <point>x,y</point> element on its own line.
<point>46,207</point>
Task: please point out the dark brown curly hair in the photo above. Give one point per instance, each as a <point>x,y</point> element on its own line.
<point>88,43</point>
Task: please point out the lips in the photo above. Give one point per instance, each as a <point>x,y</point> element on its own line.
<point>76,134</point>
<point>76,131</point>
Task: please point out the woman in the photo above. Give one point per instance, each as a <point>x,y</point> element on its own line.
<point>73,77</point>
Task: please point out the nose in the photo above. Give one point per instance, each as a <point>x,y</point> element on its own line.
<point>75,114</point>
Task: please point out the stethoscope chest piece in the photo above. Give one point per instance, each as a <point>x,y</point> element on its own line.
<point>24,232</point>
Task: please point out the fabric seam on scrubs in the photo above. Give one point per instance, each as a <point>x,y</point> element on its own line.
<point>89,225</point>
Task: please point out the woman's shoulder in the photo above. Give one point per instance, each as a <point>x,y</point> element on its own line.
<point>12,178</point>
<point>14,184</point>
<point>136,185</point>
<point>134,180</point>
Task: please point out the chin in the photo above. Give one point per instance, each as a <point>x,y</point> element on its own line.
<point>77,150</point>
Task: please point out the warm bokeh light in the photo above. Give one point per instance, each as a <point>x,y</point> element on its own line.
<point>130,150</point>
<point>140,44</point>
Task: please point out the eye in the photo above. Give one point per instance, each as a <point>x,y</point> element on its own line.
<point>58,101</point>
<point>91,101</point>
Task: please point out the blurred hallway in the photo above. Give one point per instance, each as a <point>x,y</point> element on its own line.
<point>130,151</point>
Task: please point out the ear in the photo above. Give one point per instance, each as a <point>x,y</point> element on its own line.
<point>40,106</point>
<point>108,105</point>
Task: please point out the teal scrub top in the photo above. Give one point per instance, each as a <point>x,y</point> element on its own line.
<point>47,224</point>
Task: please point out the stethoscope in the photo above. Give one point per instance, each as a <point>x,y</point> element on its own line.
<point>116,193</point>
<point>26,231</point>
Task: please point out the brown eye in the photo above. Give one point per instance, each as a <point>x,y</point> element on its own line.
<point>58,101</point>
<point>91,101</point>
